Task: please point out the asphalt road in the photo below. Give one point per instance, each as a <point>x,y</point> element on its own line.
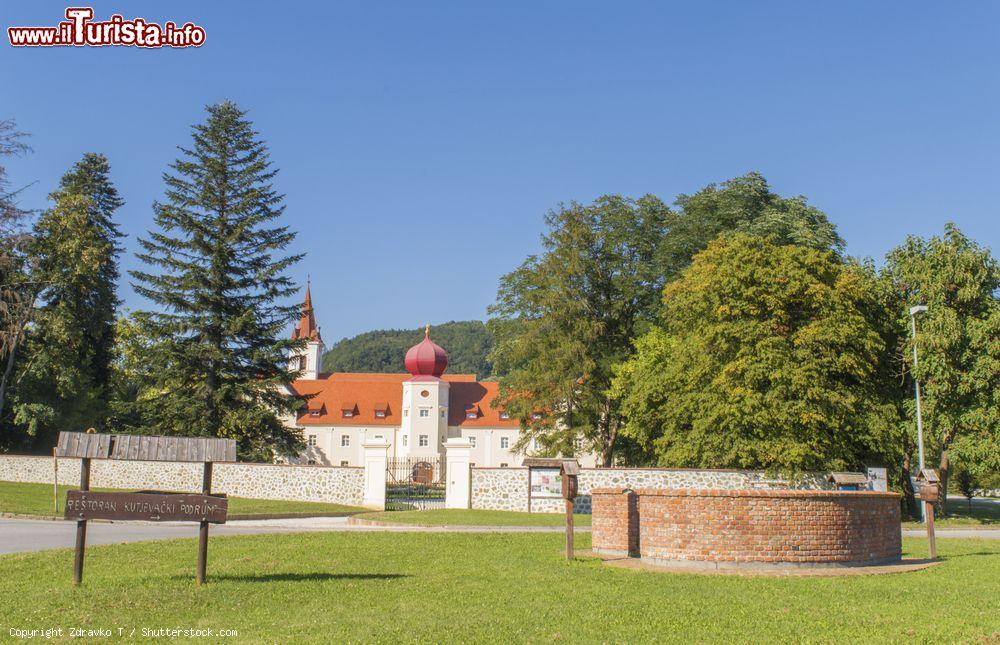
<point>37,535</point>
<point>18,536</point>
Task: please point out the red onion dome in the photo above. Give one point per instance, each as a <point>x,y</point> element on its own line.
<point>426,358</point>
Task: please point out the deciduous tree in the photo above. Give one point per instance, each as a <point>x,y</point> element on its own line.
<point>17,289</point>
<point>566,317</point>
<point>958,344</point>
<point>765,357</point>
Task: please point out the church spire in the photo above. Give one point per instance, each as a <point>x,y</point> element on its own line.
<point>307,327</point>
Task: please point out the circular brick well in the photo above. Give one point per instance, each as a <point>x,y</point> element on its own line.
<point>755,528</point>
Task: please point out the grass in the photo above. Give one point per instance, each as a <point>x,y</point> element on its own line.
<point>982,512</point>
<point>36,499</point>
<point>389,587</point>
<point>457,517</point>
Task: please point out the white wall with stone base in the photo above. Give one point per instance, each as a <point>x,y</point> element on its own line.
<point>258,481</point>
<point>506,489</point>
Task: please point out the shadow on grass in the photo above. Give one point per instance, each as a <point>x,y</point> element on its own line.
<point>300,577</point>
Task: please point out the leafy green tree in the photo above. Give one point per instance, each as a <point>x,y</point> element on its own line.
<point>957,344</point>
<point>134,384</point>
<point>765,357</point>
<point>65,380</point>
<point>565,318</point>
<point>218,272</point>
<point>17,289</point>
<point>743,204</point>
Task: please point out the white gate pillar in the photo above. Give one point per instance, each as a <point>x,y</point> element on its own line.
<point>458,489</point>
<point>376,456</point>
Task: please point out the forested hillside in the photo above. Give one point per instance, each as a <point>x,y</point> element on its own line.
<point>382,350</point>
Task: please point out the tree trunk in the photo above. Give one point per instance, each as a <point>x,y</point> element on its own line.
<point>608,430</point>
<point>944,470</point>
<point>9,367</point>
<point>908,495</point>
<point>607,455</point>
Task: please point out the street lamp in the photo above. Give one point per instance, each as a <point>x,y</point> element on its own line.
<point>917,309</point>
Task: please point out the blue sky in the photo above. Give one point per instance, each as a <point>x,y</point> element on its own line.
<point>421,143</point>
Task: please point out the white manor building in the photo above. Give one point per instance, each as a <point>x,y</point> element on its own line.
<point>414,413</point>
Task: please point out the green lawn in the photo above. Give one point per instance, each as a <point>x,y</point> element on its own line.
<point>982,512</point>
<point>456,517</point>
<point>493,587</point>
<point>36,499</point>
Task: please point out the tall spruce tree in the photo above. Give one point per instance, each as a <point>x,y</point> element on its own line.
<point>221,278</point>
<point>64,383</point>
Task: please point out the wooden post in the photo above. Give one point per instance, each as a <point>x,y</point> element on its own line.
<point>569,529</point>
<point>931,545</point>
<point>81,525</point>
<point>206,489</point>
<point>55,482</point>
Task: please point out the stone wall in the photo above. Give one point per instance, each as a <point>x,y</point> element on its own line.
<point>615,521</point>
<point>500,489</point>
<point>259,481</point>
<point>506,489</point>
<point>767,527</point>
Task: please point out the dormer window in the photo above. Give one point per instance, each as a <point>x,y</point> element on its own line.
<point>380,414</point>
<point>536,416</point>
<point>348,410</point>
<point>315,408</point>
<point>474,413</point>
<point>504,414</point>
<point>381,410</point>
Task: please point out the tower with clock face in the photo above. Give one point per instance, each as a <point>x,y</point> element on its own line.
<point>425,401</point>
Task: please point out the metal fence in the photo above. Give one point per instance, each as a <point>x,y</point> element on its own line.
<point>414,483</point>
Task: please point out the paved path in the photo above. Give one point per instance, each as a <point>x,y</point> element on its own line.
<point>17,535</point>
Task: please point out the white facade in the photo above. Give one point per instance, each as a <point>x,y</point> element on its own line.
<point>414,414</point>
<point>342,445</point>
<point>308,361</point>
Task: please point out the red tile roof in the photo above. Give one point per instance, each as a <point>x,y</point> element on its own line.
<point>367,393</point>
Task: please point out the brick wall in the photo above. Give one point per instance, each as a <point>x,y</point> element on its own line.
<point>760,527</point>
<point>615,521</point>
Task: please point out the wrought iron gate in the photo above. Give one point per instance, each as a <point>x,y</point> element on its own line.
<point>414,483</point>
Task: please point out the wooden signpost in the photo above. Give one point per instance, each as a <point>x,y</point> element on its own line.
<point>568,471</point>
<point>152,506</point>
<point>930,483</point>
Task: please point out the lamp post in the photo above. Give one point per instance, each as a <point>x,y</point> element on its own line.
<point>917,309</point>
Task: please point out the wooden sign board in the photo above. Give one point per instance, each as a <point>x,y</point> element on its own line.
<point>150,507</point>
<point>83,505</point>
<point>542,473</point>
<point>145,448</point>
